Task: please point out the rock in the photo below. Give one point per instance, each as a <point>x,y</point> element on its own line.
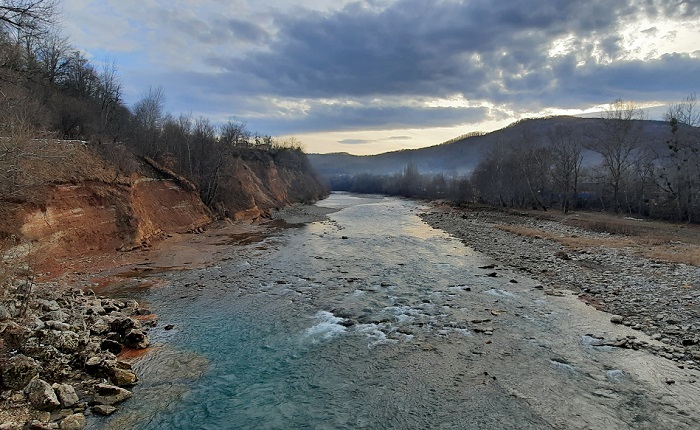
<point>38,425</point>
<point>65,341</point>
<point>111,346</point>
<point>169,327</point>
<point>66,395</point>
<point>18,371</point>
<point>47,305</point>
<point>93,361</point>
<point>56,316</point>
<point>123,325</point>
<point>107,394</point>
<point>57,325</point>
<point>617,319</point>
<point>100,326</point>
<point>136,338</point>
<point>73,422</point>
<point>41,395</point>
<point>104,409</point>
<point>143,311</point>
<point>122,377</point>
<point>4,312</point>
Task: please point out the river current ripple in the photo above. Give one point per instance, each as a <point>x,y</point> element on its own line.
<point>370,319</point>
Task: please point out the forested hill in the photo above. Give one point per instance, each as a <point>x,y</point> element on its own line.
<point>460,156</point>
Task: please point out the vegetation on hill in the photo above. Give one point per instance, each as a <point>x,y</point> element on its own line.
<point>619,162</point>
<point>50,92</point>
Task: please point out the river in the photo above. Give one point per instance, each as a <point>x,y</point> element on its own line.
<point>371,319</point>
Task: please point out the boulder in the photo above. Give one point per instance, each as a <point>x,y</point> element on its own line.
<point>104,409</point>
<point>73,422</point>
<point>100,326</point>
<point>111,346</point>
<point>617,319</point>
<point>106,394</point>
<point>64,341</point>
<point>66,395</point>
<point>123,325</point>
<point>136,338</point>
<point>41,395</point>
<point>122,377</point>
<point>18,371</point>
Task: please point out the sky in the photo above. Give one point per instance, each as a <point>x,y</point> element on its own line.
<point>372,76</point>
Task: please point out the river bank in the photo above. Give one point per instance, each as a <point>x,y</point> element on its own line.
<point>85,343</point>
<point>623,274</point>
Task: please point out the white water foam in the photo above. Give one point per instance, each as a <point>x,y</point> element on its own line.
<point>376,335</point>
<point>499,293</point>
<point>327,327</point>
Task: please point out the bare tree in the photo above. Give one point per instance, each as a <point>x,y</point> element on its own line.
<point>27,16</point>
<point>680,171</point>
<point>567,158</point>
<point>234,133</point>
<point>618,142</point>
<point>52,53</point>
<point>109,93</point>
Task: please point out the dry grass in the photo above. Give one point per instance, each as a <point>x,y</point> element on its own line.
<point>668,242</point>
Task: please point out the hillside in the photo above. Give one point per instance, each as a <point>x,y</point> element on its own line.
<point>73,203</point>
<point>461,156</point>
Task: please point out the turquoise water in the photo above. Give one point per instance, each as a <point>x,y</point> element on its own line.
<point>343,324</point>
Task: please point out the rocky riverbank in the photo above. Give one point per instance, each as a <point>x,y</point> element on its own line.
<point>59,355</point>
<point>659,298</point>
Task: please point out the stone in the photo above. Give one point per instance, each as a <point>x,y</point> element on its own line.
<point>107,394</point>
<point>48,305</point>
<point>123,325</point>
<point>136,338</point>
<point>4,312</point>
<point>93,361</point>
<point>122,377</point>
<point>73,422</point>
<point>100,326</point>
<point>66,395</point>
<point>65,341</point>
<point>18,371</point>
<point>104,409</point>
<point>41,395</point>
<point>111,346</point>
<point>57,325</point>
<point>56,316</point>
<point>617,319</point>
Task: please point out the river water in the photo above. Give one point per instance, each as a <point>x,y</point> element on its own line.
<point>371,319</point>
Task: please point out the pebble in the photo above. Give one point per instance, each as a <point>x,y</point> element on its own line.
<point>658,298</point>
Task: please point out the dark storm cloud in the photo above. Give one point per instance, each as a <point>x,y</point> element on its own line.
<point>483,50</point>
<point>426,48</point>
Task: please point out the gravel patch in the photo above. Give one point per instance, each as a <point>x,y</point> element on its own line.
<point>658,298</point>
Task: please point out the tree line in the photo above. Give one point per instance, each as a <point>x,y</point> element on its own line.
<point>49,89</point>
<point>614,164</point>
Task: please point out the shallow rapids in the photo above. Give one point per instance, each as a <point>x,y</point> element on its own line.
<point>372,319</point>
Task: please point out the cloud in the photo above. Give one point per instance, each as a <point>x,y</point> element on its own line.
<point>335,64</point>
<point>354,141</point>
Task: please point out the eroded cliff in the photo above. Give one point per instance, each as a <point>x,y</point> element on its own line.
<point>78,204</point>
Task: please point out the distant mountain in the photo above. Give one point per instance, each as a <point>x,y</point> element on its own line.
<point>462,155</point>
